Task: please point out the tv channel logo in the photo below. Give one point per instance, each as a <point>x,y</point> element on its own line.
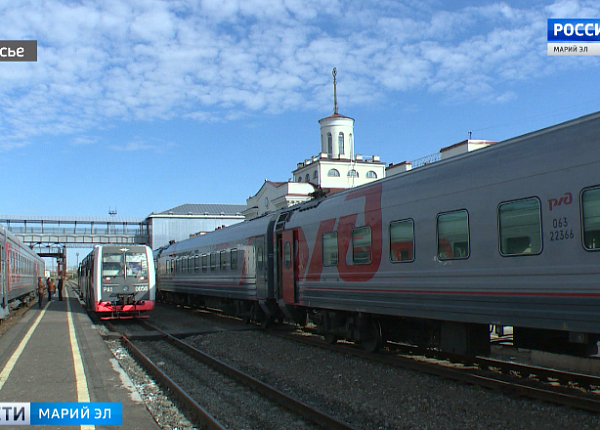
<point>574,36</point>
<point>61,413</point>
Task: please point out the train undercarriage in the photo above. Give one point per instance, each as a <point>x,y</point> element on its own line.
<point>371,332</point>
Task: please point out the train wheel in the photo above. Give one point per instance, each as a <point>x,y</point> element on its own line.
<point>371,339</point>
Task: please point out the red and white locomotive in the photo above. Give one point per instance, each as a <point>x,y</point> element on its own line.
<point>508,235</point>
<point>20,268</point>
<point>117,281</point>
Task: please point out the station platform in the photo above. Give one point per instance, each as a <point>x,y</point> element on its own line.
<point>55,354</point>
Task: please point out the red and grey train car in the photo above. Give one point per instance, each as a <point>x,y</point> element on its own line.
<point>118,281</point>
<point>508,235</point>
<point>20,268</point>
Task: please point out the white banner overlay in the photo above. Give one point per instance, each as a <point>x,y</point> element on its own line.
<point>574,48</point>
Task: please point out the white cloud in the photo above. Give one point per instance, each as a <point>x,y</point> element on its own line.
<point>219,59</point>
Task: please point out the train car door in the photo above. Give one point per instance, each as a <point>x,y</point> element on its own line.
<point>261,266</point>
<point>288,264</point>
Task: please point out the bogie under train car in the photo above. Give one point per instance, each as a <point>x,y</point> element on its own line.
<point>508,235</point>
<point>20,268</point>
<point>118,281</point>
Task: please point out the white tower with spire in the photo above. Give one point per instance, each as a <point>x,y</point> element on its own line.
<point>337,131</point>
<point>337,166</point>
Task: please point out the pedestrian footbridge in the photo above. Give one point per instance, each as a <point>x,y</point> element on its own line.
<point>77,231</point>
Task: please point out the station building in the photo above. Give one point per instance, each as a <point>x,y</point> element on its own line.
<point>184,221</point>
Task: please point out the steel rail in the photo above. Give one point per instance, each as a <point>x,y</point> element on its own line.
<point>198,413</point>
<point>314,415</point>
<point>589,403</point>
<point>540,372</point>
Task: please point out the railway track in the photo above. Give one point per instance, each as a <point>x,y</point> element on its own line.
<point>574,390</point>
<point>565,388</point>
<point>231,398</point>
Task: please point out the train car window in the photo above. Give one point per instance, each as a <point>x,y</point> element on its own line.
<point>590,209</point>
<point>204,262</point>
<point>287,255</point>
<point>520,227</point>
<point>330,249</point>
<point>453,235</point>
<point>233,258</point>
<point>361,245</point>
<point>213,260</point>
<point>196,263</point>
<point>223,258</point>
<point>402,236</point>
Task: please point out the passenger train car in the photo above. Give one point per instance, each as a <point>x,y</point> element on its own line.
<point>507,235</point>
<point>20,268</point>
<point>118,281</point>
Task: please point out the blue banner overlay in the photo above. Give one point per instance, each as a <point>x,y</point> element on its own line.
<point>573,30</point>
<point>60,413</point>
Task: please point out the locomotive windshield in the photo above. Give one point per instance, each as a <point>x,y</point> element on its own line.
<point>126,264</point>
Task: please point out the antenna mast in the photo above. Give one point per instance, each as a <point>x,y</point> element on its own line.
<point>335,106</point>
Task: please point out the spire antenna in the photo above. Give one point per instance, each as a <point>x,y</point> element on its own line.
<point>335,106</point>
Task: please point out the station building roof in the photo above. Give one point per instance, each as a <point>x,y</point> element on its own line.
<point>203,209</point>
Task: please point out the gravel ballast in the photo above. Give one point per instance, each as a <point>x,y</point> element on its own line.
<point>366,394</point>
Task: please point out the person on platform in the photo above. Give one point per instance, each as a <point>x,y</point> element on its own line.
<point>60,287</point>
<point>51,289</point>
<point>40,291</point>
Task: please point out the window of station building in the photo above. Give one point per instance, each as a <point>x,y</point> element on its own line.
<point>307,178</point>
<point>341,143</point>
<point>361,245</point>
<point>233,258</point>
<point>329,144</point>
<point>316,174</point>
<point>299,178</point>
<point>590,209</point>
<point>330,249</point>
<point>223,258</point>
<point>352,174</point>
<point>402,241</point>
<point>371,174</point>
<point>333,173</point>
<point>213,260</point>
<point>520,227</point>
<point>204,262</point>
<point>196,263</point>
<point>453,235</point>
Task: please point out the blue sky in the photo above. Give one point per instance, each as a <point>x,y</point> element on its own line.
<point>145,105</point>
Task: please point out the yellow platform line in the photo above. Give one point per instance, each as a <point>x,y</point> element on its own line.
<point>14,358</point>
<point>83,394</point>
